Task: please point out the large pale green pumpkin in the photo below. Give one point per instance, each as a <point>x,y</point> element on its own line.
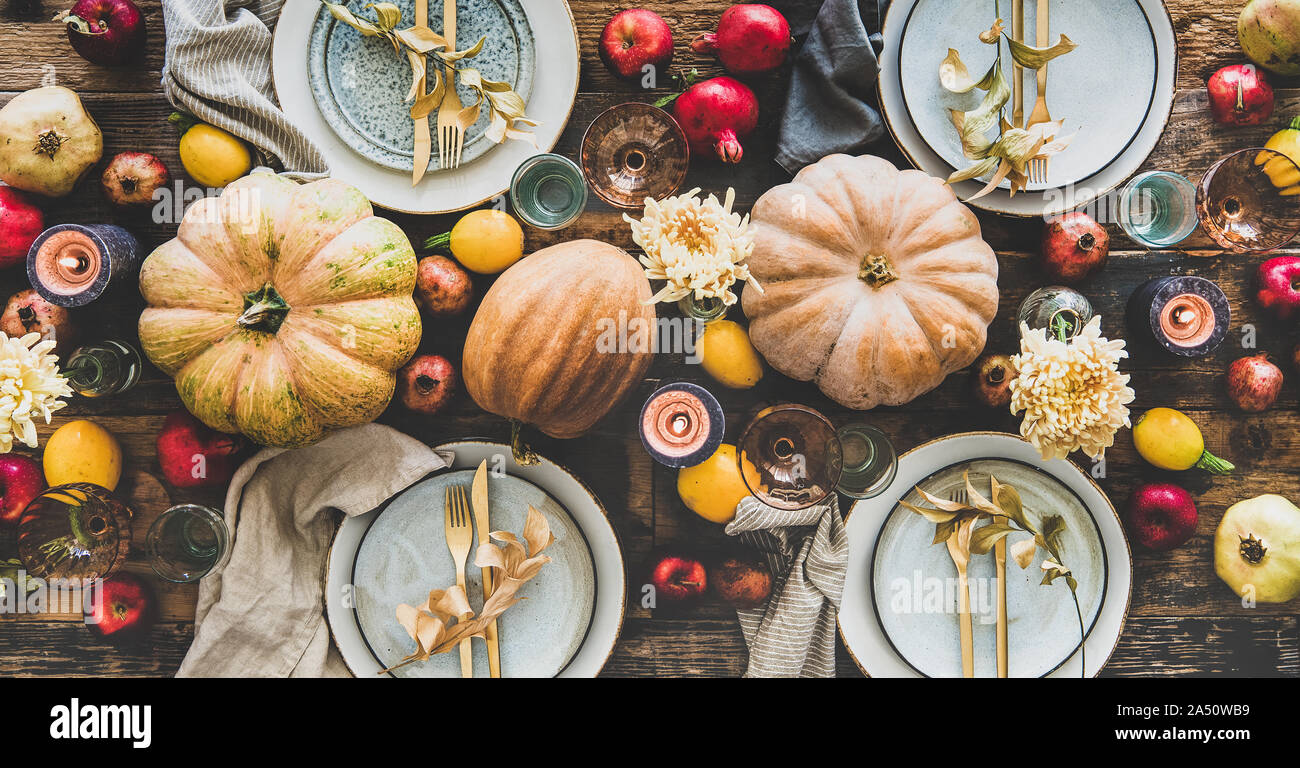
<point>282,310</point>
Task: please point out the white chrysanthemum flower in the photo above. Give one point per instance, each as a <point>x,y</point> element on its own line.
<point>30,387</point>
<point>697,246</point>
<point>1072,393</point>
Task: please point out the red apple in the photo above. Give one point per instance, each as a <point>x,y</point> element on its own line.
<point>21,222</point>
<point>1074,246</point>
<point>122,607</point>
<point>743,582</point>
<point>634,39</point>
<point>442,287</point>
<point>678,580</point>
<point>194,455</point>
<point>131,178</point>
<point>21,480</point>
<point>106,32</point>
<point>426,384</point>
<point>1278,282</point>
<point>1162,515</point>
<point>28,312</point>
<point>1254,383</point>
<point>1239,95</point>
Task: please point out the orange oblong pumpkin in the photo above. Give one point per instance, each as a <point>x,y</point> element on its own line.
<point>876,282</point>
<point>541,348</point>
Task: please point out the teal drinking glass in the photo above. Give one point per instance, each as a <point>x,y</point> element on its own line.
<point>1158,209</point>
<point>548,191</point>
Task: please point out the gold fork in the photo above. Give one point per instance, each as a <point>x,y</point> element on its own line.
<point>451,135</point>
<point>1038,167</point>
<point>460,535</point>
<point>961,559</point>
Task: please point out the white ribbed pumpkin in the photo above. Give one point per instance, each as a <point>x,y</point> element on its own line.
<point>876,282</point>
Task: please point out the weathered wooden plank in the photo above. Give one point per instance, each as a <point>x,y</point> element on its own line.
<point>69,650</point>
<point>1237,646</point>
<point>1234,647</point>
<point>36,52</point>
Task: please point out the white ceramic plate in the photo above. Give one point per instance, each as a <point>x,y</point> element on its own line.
<point>1071,183</point>
<point>404,554</point>
<point>860,625</point>
<point>914,580</point>
<point>587,514</point>
<point>1104,119</point>
<point>473,183</point>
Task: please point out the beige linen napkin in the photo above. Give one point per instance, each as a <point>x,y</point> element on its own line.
<point>218,68</point>
<point>263,614</point>
<point>793,635</point>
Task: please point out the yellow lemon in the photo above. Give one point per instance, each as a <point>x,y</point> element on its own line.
<point>713,488</point>
<point>1168,439</point>
<point>728,356</point>
<point>83,452</point>
<point>486,241</point>
<point>213,157</point>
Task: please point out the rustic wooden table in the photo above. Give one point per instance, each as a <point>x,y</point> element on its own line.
<point>1182,620</point>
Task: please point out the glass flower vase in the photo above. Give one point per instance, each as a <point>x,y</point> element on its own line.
<point>74,531</point>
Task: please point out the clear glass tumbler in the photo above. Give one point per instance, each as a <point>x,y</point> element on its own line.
<point>548,191</point>
<point>1158,209</point>
<point>187,542</point>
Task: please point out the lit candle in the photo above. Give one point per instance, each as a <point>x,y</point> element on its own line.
<point>681,425</point>
<point>1186,316</point>
<point>72,264</point>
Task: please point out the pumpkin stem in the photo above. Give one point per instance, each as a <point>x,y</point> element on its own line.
<point>264,310</point>
<point>876,271</point>
<point>524,455</point>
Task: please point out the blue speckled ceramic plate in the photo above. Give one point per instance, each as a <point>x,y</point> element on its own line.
<point>404,554</point>
<point>359,83</point>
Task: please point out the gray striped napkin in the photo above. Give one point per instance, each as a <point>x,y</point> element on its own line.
<point>793,635</point>
<point>218,68</point>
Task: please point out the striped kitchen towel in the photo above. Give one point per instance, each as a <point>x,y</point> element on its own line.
<point>218,69</point>
<point>793,635</point>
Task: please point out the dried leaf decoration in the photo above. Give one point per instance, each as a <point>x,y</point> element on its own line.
<point>505,107</point>
<point>954,518</point>
<point>1030,57</point>
<point>1007,157</point>
<point>446,617</point>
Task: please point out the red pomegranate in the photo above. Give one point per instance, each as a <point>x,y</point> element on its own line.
<point>751,39</point>
<point>716,115</point>
<point>1074,247</point>
<point>1254,383</point>
<point>1239,95</point>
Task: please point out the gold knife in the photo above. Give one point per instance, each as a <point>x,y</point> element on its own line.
<point>478,497</point>
<point>1017,72</point>
<point>423,143</point>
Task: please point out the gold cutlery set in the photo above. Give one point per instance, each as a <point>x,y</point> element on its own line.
<point>451,130</point>
<point>460,539</point>
<point>961,559</point>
